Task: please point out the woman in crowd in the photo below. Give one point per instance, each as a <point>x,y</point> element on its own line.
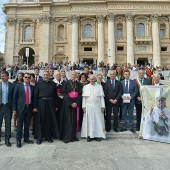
<point>83,79</point>
<point>32,82</point>
<point>18,80</point>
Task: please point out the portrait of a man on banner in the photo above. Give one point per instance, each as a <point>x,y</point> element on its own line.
<point>156,119</point>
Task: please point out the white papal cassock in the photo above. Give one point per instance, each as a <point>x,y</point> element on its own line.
<point>93,120</point>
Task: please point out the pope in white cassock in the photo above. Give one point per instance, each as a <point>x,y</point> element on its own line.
<point>157,120</point>
<point>93,106</point>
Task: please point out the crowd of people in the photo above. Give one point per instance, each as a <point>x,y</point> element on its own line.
<point>56,107</point>
<point>69,66</point>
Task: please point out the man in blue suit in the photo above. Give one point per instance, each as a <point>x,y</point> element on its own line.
<point>37,74</point>
<point>6,95</point>
<point>129,87</point>
<point>22,106</point>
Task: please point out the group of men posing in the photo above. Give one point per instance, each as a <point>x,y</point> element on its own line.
<point>62,107</point>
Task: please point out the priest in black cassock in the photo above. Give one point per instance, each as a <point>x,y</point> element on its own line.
<point>45,105</point>
<point>72,91</point>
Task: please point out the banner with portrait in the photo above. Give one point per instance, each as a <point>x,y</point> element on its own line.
<point>155,121</point>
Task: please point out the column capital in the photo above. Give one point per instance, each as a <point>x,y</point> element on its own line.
<point>110,16</point>
<point>100,18</point>
<point>12,21</point>
<point>155,17</point>
<point>73,18</point>
<point>46,19</point>
<point>129,16</point>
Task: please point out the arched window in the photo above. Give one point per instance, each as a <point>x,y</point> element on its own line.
<point>61,31</point>
<point>88,31</point>
<point>28,33</point>
<point>141,30</point>
<point>162,31</point>
<point>119,31</point>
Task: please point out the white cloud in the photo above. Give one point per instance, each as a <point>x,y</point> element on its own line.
<point>2,27</point>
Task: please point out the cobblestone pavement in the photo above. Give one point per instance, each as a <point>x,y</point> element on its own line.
<point>120,151</point>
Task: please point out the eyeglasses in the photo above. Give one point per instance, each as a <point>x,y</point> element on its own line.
<point>27,77</point>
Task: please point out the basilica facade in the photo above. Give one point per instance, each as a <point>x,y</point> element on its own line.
<point>113,31</point>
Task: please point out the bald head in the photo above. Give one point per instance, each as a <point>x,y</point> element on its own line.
<point>73,75</point>
<point>141,74</point>
<point>57,75</point>
<point>112,74</point>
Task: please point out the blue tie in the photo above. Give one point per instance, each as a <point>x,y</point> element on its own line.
<point>126,87</point>
<point>113,84</point>
<point>4,94</point>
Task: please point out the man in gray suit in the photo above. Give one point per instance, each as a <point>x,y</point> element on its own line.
<point>6,95</point>
<point>129,88</point>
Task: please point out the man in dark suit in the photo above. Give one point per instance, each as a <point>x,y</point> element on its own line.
<point>129,88</point>
<point>22,106</point>
<point>6,95</point>
<point>140,81</point>
<point>37,76</point>
<point>113,92</point>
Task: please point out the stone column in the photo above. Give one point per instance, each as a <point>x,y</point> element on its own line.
<point>10,41</point>
<point>156,42</point>
<point>150,60</point>
<point>136,60</point>
<point>130,43</point>
<point>100,19</point>
<point>111,38</point>
<point>44,38</point>
<point>75,43</point>
<point>21,31</point>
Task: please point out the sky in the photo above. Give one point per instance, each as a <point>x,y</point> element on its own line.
<point>2,27</point>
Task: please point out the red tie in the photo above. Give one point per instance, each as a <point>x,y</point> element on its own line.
<point>27,95</point>
<point>36,79</point>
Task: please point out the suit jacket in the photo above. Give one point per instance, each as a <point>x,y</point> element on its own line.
<point>18,103</point>
<point>133,90</point>
<point>10,93</point>
<point>111,93</point>
<point>145,82</point>
<point>39,78</point>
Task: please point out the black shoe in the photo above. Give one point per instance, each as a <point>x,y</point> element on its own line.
<point>122,130</point>
<point>28,141</point>
<point>133,130</point>
<point>115,129</point>
<point>98,139</point>
<point>49,140</point>
<point>66,142</point>
<point>107,130</point>
<point>38,141</point>
<point>137,129</point>
<point>89,139</point>
<point>76,139</point>
<point>8,143</point>
<point>19,144</point>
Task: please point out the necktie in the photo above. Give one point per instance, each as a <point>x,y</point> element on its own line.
<point>4,96</point>
<point>27,95</point>
<point>126,87</point>
<point>141,81</point>
<point>36,78</point>
<point>113,84</point>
